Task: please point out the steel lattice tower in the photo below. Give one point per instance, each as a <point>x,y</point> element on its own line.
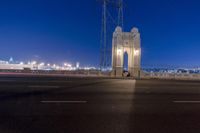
<point>105,49</point>
<point>120,14</point>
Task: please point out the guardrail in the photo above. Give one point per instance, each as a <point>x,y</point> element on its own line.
<point>176,76</point>
<point>143,75</point>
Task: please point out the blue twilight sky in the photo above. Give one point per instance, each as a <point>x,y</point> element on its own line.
<point>68,30</point>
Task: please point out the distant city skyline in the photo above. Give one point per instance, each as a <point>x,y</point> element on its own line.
<point>58,31</point>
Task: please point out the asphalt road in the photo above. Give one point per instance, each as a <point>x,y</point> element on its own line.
<point>94,105</point>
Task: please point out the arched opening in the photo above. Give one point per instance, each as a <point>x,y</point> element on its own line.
<point>125,65</point>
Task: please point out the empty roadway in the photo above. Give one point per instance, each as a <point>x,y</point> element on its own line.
<point>98,105</point>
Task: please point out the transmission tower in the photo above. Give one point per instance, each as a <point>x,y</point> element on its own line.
<point>105,49</point>
<point>120,14</point>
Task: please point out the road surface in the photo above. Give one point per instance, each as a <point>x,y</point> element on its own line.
<point>97,105</point>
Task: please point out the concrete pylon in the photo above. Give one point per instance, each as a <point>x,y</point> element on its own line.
<point>126,42</point>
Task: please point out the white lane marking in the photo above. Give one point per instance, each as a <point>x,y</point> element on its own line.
<point>36,86</point>
<point>63,101</point>
<point>7,80</point>
<point>186,101</point>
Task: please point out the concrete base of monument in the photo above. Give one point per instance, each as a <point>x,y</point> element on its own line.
<point>133,72</point>
<point>117,72</point>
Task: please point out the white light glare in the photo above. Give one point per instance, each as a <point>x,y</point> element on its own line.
<point>33,62</point>
<point>67,65</point>
<point>21,63</point>
<point>119,51</point>
<point>136,52</point>
<point>42,64</point>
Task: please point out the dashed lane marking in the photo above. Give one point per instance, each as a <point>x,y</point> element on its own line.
<point>43,86</point>
<point>75,102</point>
<point>186,101</point>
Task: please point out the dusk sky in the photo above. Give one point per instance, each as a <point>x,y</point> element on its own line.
<point>69,30</point>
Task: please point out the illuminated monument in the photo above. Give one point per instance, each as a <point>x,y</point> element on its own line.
<point>126,42</point>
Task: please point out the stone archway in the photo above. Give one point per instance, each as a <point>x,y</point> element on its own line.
<point>126,42</point>
<point>125,61</point>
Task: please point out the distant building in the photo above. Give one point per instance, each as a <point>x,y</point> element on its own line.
<point>8,66</point>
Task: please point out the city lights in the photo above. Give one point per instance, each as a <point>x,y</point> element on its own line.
<point>36,65</point>
<point>42,64</point>
<point>77,65</point>
<point>33,62</point>
<point>21,63</point>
